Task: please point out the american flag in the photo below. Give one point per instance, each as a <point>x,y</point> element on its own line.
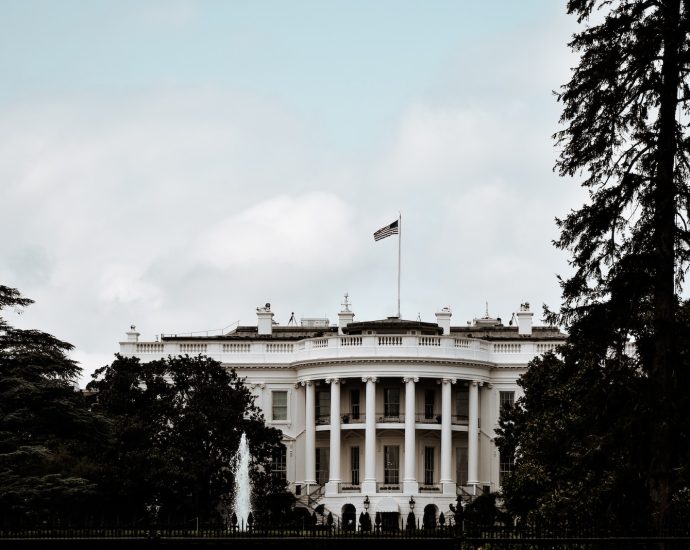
<point>387,231</point>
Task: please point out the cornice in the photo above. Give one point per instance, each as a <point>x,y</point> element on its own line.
<point>392,360</point>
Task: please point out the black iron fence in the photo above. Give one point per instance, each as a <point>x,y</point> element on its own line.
<point>386,527</point>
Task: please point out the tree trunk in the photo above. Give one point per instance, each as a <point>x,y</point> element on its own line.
<point>663,364</point>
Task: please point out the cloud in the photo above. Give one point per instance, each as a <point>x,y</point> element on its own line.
<point>310,231</point>
<point>183,209</point>
<point>125,284</point>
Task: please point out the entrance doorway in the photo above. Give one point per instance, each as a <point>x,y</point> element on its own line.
<point>349,515</point>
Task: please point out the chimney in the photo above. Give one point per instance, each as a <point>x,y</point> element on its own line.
<point>132,334</point>
<point>524,320</point>
<point>443,320</point>
<point>345,317</point>
<point>264,319</point>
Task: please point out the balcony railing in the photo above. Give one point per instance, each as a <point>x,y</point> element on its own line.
<point>335,346</point>
<point>388,487</point>
<point>461,419</point>
<point>383,417</point>
<point>430,488</point>
<point>349,418</point>
<point>457,419</point>
<point>423,418</point>
<point>349,488</point>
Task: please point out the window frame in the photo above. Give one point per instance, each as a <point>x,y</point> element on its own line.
<point>391,409</point>
<point>505,466</point>
<point>322,414</point>
<point>429,464</point>
<point>355,404</point>
<point>276,472</point>
<point>355,464</point>
<point>285,420</point>
<point>505,397</point>
<point>462,403</point>
<point>391,476</point>
<point>429,404</point>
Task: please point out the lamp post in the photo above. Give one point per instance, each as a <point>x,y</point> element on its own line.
<point>366,503</point>
<point>412,503</point>
<point>153,510</point>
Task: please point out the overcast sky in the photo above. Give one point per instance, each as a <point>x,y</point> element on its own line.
<point>174,164</point>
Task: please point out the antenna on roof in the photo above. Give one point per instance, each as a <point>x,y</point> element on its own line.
<point>419,317</point>
<point>292,320</point>
<point>346,302</point>
<point>486,314</point>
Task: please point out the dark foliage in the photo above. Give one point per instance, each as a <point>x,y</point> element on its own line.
<point>46,430</point>
<point>429,518</point>
<point>609,420</point>
<point>483,511</point>
<point>177,426</point>
<point>411,523</point>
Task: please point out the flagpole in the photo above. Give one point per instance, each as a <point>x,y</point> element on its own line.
<point>399,248</point>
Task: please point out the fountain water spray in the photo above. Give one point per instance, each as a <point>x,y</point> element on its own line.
<point>243,489</point>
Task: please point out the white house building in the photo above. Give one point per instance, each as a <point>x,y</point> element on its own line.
<point>388,414</point>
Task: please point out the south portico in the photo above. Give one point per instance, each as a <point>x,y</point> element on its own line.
<point>393,426</point>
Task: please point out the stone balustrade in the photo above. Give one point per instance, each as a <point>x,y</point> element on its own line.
<point>335,347</point>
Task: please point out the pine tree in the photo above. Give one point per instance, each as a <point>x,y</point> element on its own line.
<point>625,116</point>
<point>45,426</point>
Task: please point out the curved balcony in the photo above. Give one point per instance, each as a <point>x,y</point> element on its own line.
<point>383,421</point>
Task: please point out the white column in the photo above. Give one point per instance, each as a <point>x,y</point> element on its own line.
<point>446,437</point>
<point>472,435</point>
<point>334,468</point>
<point>369,482</point>
<point>410,484</point>
<point>309,435</point>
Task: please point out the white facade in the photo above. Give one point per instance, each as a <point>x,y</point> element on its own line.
<point>389,411</point>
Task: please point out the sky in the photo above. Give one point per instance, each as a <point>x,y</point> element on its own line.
<point>175,164</point>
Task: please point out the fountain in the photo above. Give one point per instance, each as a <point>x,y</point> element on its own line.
<point>243,489</point>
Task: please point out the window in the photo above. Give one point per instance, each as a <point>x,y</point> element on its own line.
<point>428,465</point>
<point>505,467</point>
<point>354,465</point>
<point>322,456</point>
<point>323,404</point>
<point>463,403</point>
<point>391,402</point>
<point>354,404</point>
<point>279,463</point>
<point>506,399</point>
<point>429,403</point>
<point>279,405</point>
<point>461,465</point>
<point>391,464</point>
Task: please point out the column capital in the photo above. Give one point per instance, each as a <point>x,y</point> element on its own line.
<point>305,383</point>
<point>476,383</point>
<point>370,379</point>
<point>332,380</point>
<point>448,380</point>
<point>407,379</point>
<point>260,385</point>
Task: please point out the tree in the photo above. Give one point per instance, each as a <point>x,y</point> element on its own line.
<point>578,438</point>
<point>625,113</point>
<point>580,434</point>
<point>46,429</point>
<point>177,426</point>
<point>411,523</point>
